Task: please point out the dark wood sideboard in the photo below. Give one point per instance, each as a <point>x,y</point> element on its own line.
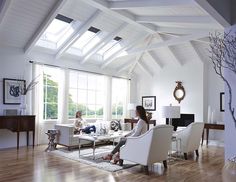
<point>19,124</point>
<point>132,121</point>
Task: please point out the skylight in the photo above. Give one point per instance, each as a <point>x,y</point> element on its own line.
<point>109,49</point>
<point>57,32</point>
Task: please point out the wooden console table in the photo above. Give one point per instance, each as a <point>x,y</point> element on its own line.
<point>132,121</point>
<point>19,124</point>
<point>209,126</point>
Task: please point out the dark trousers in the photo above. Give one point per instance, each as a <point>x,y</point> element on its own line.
<point>89,129</point>
<point>119,145</point>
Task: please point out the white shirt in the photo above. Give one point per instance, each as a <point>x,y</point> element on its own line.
<point>80,123</point>
<point>139,129</point>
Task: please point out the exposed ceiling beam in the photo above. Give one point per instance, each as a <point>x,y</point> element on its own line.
<point>196,51</point>
<point>122,15</point>
<point>135,41</point>
<point>4,7</point>
<point>203,4</point>
<point>147,3</point>
<point>155,60</point>
<point>179,30</point>
<point>175,19</point>
<point>171,42</point>
<point>49,18</point>
<point>145,69</point>
<point>77,34</point>
<point>103,42</point>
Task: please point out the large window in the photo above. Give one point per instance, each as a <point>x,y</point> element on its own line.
<point>119,97</point>
<point>51,78</point>
<point>86,93</point>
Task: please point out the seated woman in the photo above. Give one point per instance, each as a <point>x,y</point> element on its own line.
<point>81,125</point>
<point>139,129</point>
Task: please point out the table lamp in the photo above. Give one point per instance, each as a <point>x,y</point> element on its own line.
<point>171,112</point>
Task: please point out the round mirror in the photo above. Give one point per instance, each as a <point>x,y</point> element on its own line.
<point>179,92</point>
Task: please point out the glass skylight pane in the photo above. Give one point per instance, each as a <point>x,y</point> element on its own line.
<point>111,51</point>
<point>91,44</point>
<point>83,40</point>
<point>107,47</point>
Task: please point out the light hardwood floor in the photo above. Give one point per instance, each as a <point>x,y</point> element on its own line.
<point>28,165</point>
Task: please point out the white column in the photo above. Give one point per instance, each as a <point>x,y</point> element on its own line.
<point>108,99</point>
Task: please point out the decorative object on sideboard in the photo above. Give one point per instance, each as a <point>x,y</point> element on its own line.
<point>229,170</point>
<point>222,102</point>
<point>179,92</point>
<point>149,103</point>
<point>149,115</point>
<point>222,50</point>
<point>171,112</point>
<point>12,90</point>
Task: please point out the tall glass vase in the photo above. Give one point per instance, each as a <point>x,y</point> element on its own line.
<point>23,105</point>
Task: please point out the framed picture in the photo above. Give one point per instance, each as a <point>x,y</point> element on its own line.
<point>149,103</point>
<point>222,102</point>
<point>12,90</point>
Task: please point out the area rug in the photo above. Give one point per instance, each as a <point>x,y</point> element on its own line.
<point>86,157</point>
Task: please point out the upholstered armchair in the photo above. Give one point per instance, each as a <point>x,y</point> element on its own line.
<point>189,139</point>
<point>149,148</point>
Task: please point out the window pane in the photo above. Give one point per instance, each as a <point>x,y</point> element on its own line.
<point>92,82</point>
<point>52,94</point>
<point>100,83</point>
<point>82,108</point>
<point>73,98</point>
<point>51,111</point>
<point>99,111</point>
<point>91,111</point>
<point>99,98</point>
<point>73,108</point>
<point>82,81</point>
<point>91,97</point>
<point>73,80</point>
<point>82,96</point>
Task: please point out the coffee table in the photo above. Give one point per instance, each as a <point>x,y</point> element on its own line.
<point>94,139</point>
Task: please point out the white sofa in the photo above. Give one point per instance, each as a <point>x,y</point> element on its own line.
<point>149,148</point>
<point>67,138</point>
<point>189,138</point>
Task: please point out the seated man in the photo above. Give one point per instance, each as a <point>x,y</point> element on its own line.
<point>81,125</point>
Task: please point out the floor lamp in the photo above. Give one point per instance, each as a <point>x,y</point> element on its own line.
<point>171,112</point>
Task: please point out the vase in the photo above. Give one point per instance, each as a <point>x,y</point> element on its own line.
<point>229,171</point>
<point>23,105</point>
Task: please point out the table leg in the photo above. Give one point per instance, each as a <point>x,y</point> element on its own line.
<point>33,137</point>
<point>18,138</point>
<point>27,138</point>
<point>94,150</point>
<point>203,135</point>
<point>207,132</point>
<point>79,147</point>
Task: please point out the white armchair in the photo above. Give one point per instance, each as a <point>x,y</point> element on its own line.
<point>149,148</point>
<point>189,138</point>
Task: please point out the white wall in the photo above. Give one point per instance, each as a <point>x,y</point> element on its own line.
<point>230,126</point>
<point>13,64</point>
<point>163,83</point>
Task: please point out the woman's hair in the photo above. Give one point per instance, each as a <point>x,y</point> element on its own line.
<point>76,115</point>
<point>142,113</point>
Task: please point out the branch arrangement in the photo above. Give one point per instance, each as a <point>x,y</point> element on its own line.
<point>223,56</point>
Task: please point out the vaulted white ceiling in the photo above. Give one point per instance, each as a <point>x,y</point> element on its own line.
<point>161,32</point>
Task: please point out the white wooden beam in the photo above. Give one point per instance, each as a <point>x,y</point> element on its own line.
<point>4,7</point>
<point>103,43</point>
<point>171,42</point>
<point>178,30</point>
<point>122,15</point>
<point>49,18</point>
<point>175,19</point>
<point>155,60</point>
<point>196,51</point>
<point>77,34</point>
<point>136,41</point>
<point>147,3</point>
<point>138,58</point>
<point>203,4</point>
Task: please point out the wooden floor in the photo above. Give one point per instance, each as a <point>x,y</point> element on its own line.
<point>36,165</point>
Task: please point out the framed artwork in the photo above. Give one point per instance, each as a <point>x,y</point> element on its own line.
<point>149,103</point>
<point>12,90</point>
<point>222,102</point>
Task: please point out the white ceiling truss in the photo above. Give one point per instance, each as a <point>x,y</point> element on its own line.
<point>184,21</point>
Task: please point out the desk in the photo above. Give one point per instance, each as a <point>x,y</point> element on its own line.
<point>209,126</point>
<point>132,121</point>
<point>19,124</point>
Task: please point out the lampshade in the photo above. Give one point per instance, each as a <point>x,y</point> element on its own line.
<point>171,111</point>
<point>131,107</point>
